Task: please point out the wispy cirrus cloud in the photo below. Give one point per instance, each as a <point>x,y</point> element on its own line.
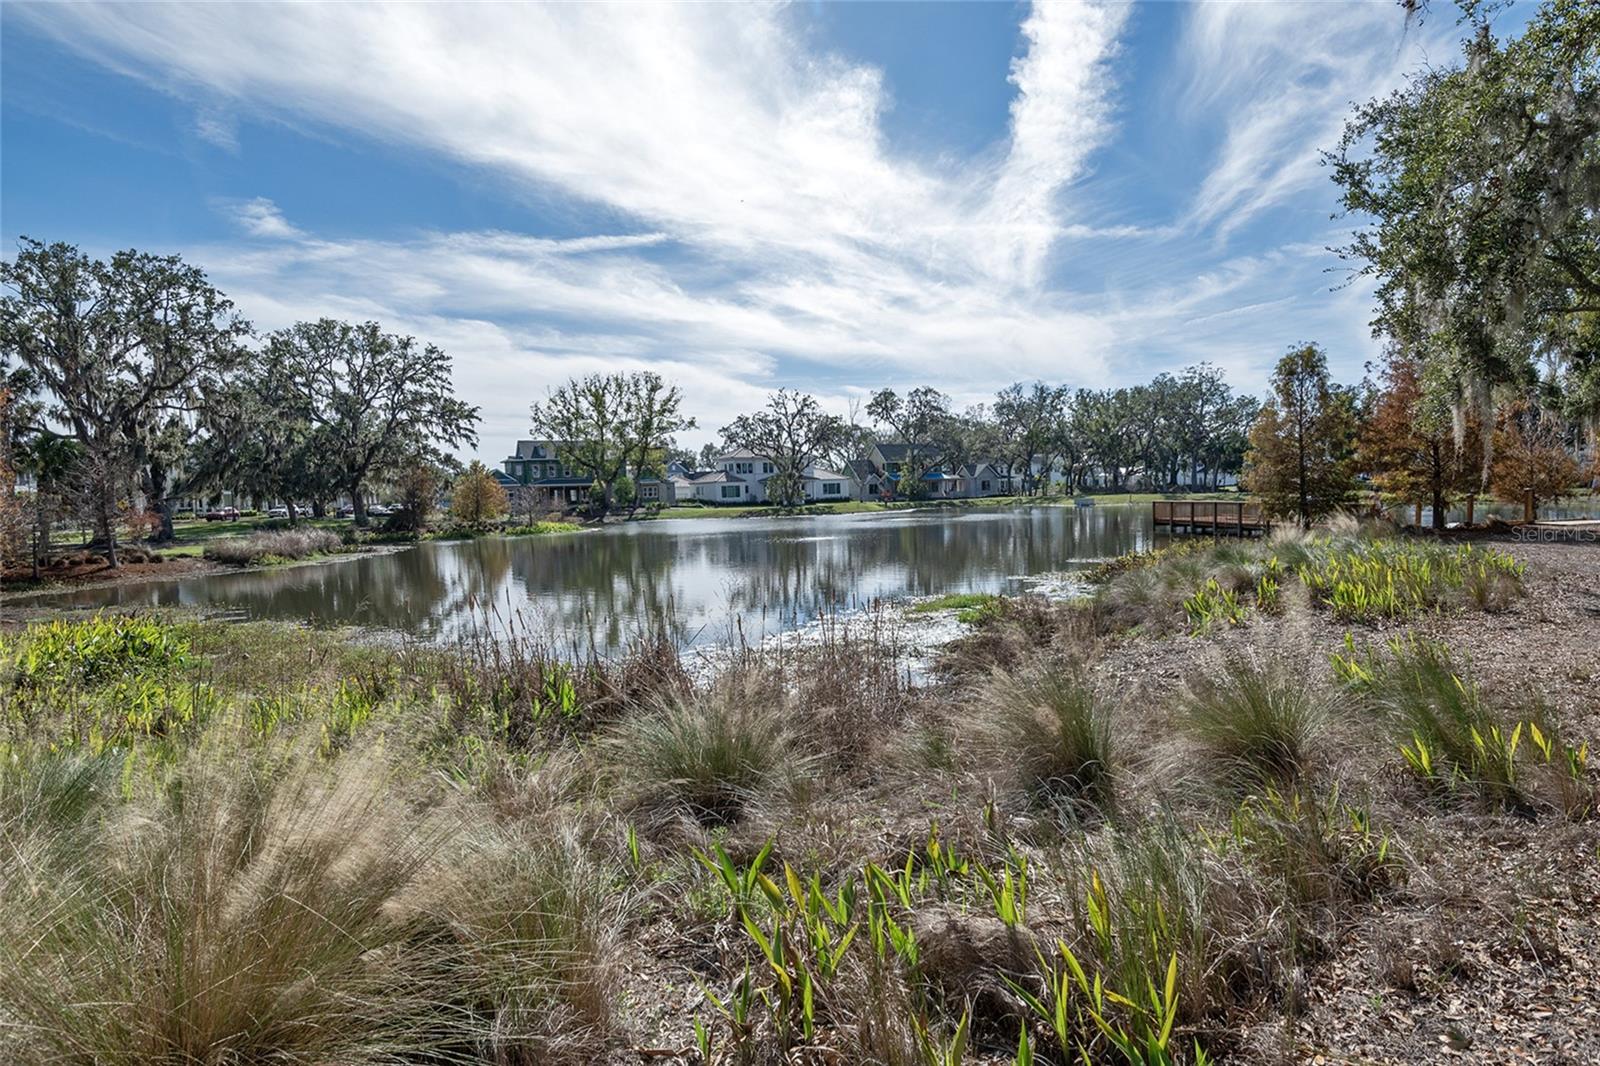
<point>1284,76</point>
<point>260,217</point>
<point>760,228</point>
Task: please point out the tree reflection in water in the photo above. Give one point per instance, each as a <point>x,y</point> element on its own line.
<point>699,578</point>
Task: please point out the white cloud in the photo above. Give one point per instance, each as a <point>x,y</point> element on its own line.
<point>260,217</point>
<point>761,229</point>
<point>1281,78</point>
<point>1059,116</point>
<point>218,129</point>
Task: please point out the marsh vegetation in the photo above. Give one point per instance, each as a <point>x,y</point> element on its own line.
<point>1104,830</point>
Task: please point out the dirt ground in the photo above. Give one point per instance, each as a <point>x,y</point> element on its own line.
<point>1491,951</point>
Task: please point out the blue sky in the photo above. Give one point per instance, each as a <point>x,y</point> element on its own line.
<point>834,197</point>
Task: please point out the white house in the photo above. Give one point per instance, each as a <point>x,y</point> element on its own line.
<point>740,477</point>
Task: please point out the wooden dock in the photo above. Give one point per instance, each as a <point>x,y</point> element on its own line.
<point>1216,517</point>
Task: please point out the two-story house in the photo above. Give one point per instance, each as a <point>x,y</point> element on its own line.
<point>537,465</point>
<point>887,463</point>
<point>740,476</point>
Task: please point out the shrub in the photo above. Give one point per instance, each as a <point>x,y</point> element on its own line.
<point>708,755</point>
<point>103,648</point>
<point>1050,729</point>
<point>1259,719</point>
<point>275,544</point>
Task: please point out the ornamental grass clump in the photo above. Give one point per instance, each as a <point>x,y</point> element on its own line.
<point>1259,720</point>
<point>531,943</point>
<point>1174,932</point>
<point>709,755</point>
<point>249,914</point>
<point>1048,731</point>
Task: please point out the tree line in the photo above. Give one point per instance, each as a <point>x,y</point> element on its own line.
<point>1184,429</point>
<point>133,382</point>
<point>1476,192</point>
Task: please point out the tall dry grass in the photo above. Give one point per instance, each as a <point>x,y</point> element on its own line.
<point>273,544</point>
<point>1047,731</point>
<point>247,914</point>
<point>1259,719</point>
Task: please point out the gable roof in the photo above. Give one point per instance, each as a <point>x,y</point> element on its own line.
<point>742,453</point>
<point>899,451</point>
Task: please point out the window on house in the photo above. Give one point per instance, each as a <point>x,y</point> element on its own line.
<point>830,488</point>
<point>766,468</point>
<point>730,492</point>
<point>985,486</point>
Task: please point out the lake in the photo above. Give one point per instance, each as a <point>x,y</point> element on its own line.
<point>704,579</point>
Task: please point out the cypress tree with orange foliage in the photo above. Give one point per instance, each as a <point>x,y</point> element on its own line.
<point>1409,445</point>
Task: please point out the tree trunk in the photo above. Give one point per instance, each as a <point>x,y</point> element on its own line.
<point>1418,520</point>
<point>156,491</point>
<point>294,513</point>
<point>108,525</point>
<point>1438,511</point>
<point>319,509</point>
<point>41,530</point>
<point>1472,502</point>
<point>359,504</point>
<point>1530,510</point>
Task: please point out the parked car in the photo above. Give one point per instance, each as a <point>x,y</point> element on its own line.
<point>381,510</point>
<point>278,512</point>
<point>222,514</point>
<point>346,511</point>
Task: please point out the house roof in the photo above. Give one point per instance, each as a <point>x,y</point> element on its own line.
<point>741,453</point>
<point>899,451</point>
<point>825,475</point>
<point>525,449</point>
<point>506,480</point>
<point>861,468</point>
<point>712,477</point>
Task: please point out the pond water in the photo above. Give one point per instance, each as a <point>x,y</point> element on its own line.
<point>705,579</point>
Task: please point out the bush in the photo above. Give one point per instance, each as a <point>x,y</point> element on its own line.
<point>269,545</point>
<point>101,649</point>
<point>1259,720</point>
<point>1050,730</point>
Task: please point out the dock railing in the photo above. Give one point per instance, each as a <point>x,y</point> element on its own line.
<point>1210,516</point>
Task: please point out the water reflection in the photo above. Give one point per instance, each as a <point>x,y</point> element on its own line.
<point>700,577</point>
